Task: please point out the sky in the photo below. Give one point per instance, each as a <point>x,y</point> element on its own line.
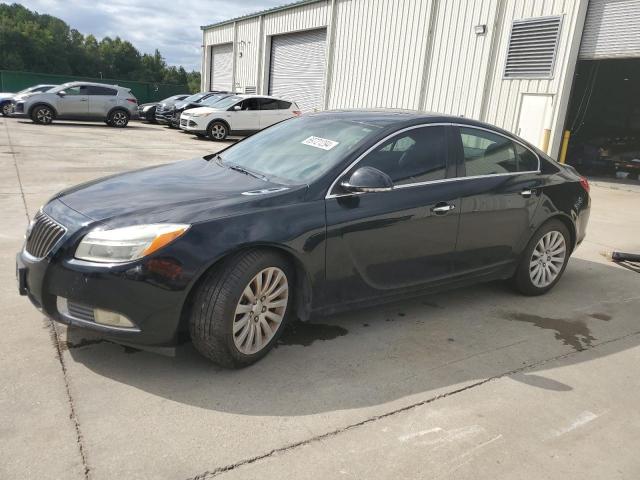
<point>171,26</point>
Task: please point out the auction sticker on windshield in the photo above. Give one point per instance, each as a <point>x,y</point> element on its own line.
<point>319,142</point>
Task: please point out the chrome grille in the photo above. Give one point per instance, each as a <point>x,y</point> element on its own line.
<point>43,235</point>
<point>81,312</point>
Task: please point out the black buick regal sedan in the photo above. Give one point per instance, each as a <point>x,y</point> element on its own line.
<point>316,214</point>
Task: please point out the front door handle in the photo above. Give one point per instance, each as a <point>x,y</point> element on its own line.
<point>527,192</point>
<point>442,208</point>
<point>84,100</point>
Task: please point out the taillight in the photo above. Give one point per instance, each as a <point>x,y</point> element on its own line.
<point>132,100</point>
<point>297,113</point>
<point>585,183</point>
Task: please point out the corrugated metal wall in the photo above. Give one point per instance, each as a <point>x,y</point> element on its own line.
<point>393,54</point>
<point>459,60</point>
<point>379,53</point>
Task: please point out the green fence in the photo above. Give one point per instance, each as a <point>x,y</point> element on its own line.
<point>144,92</point>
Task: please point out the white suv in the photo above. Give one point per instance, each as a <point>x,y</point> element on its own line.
<point>237,115</point>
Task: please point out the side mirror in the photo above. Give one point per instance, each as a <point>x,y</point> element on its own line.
<point>236,108</point>
<point>368,179</point>
<point>61,94</point>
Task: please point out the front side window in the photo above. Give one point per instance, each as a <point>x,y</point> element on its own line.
<point>250,104</point>
<point>487,153</point>
<point>414,156</point>
<point>77,90</point>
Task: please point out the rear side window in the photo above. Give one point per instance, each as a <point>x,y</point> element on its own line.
<point>418,155</point>
<point>95,90</point>
<point>487,153</point>
<point>268,104</point>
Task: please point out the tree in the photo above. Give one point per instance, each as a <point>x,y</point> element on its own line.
<point>33,42</point>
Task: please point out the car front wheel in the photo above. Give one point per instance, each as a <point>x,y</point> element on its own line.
<point>6,109</point>
<point>240,308</point>
<point>42,114</point>
<point>544,259</point>
<point>217,131</point>
<point>118,119</point>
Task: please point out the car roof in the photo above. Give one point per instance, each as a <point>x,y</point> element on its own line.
<point>95,84</point>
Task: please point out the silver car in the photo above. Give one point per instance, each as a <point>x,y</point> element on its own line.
<point>81,101</point>
<point>7,100</point>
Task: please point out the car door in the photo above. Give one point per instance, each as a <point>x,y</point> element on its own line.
<point>501,193</point>
<point>378,243</point>
<point>246,118</point>
<point>73,102</point>
<point>101,100</point>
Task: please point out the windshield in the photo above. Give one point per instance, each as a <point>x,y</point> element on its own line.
<point>299,150</point>
<point>195,97</point>
<point>214,99</point>
<point>228,102</point>
<point>37,88</point>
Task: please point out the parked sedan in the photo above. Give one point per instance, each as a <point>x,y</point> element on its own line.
<point>8,100</point>
<point>81,101</point>
<point>316,214</point>
<point>237,115</point>
<point>147,111</point>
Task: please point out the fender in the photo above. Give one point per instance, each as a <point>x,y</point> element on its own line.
<point>46,104</point>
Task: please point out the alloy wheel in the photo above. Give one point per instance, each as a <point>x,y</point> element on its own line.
<point>260,310</point>
<point>119,119</point>
<point>44,115</point>
<point>547,259</point>
<point>6,109</point>
<point>218,131</point>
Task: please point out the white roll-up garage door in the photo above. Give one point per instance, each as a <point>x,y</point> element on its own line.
<point>222,67</point>
<point>612,30</point>
<point>297,68</point>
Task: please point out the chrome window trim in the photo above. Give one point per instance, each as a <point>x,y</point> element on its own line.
<point>429,182</point>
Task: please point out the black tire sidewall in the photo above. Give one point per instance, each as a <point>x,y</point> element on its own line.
<point>210,127</point>
<point>522,278</point>
<point>2,109</point>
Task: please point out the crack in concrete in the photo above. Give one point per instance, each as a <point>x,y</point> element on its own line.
<point>15,165</point>
<point>55,339</point>
<point>53,333</point>
<point>221,470</point>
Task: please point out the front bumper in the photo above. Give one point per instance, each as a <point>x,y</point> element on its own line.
<point>193,124</point>
<point>164,116</point>
<point>146,292</point>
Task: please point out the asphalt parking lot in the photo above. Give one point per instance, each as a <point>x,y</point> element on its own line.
<point>474,383</point>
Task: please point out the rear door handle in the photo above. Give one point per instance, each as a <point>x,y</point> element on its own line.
<point>442,208</point>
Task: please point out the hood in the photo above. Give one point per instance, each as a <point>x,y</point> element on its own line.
<point>183,105</point>
<point>186,191</point>
<point>6,95</point>
<point>204,110</point>
<point>150,104</point>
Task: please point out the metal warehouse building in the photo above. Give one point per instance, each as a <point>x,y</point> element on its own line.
<point>534,67</point>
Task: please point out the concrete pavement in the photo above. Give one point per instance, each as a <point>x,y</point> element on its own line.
<point>473,383</point>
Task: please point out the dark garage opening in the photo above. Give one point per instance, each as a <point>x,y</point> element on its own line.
<point>604,118</point>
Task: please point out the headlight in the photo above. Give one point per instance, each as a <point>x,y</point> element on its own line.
<point>146,107</point>
<point>202,114</point>
<point>128,243</point>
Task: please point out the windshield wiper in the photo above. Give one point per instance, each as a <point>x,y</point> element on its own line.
<point>240,169</point>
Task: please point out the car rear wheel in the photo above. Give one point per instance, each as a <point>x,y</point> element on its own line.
<point>42,114</point>
<point>217,131</point>
<point>118,119</point>
<point>544,259</point>
<point>6,109</point>
<point>241,307</point>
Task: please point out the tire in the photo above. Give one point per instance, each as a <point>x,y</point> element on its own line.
<point>6,109</point>
<point>118,119</point>
<point>538,272</point>
<point>217,131</point>
<point>223,302</point>
<point>42,114</point>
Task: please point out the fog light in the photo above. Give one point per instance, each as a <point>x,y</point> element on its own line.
<point>113,319</point>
